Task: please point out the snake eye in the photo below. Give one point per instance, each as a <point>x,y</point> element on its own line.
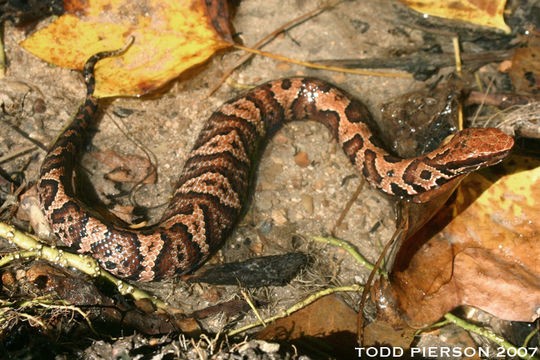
<point>426,175</point>
<point>110,265</point>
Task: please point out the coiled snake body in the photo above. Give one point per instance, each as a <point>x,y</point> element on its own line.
<point>213,186</point>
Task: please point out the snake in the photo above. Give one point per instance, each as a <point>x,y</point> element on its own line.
<point>213,188</point>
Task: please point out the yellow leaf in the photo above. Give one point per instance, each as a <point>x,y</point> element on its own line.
<point>486,256</point>
<point>171,36</point>
<point>480,12</point>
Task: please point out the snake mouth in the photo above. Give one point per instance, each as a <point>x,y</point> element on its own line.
<point>498,157</point>
<point>502,150</point>
<point>477,162</point>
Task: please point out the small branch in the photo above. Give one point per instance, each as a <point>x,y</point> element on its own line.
<point>72,308</point>
<point>499,340</point>
<point>84,263</point>
<point>347,207</point>
<point>499,100</point>
<point>27,136</point>
<point>322,67</point>
<point>252,306</point>
<point>298,306</point>
<point>16,153</point>
<point>3,66</point>
<point>530,336</point>
<point>349,248</point>
<point>457,55</point>
<point>419,61</point>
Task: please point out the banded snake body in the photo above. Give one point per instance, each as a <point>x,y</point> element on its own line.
<point>213,186</point>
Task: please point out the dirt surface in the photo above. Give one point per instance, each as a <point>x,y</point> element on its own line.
<point>291,202</point>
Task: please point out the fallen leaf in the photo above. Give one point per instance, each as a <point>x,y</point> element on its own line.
<point>449,337</point>
<point>418,122</point>
<point>45,279</point>
<point>124,213</point>
<point>30,210</point>
<point>328,319</point>
<point>227,308</point>
<point>380,332</point>
<point>481,12</point>
<point>486,257</point>
<point>302,159</point>
<point>74,290</point>
<point>127,167</point>
<point>271,270</point>
<point>171,36</point>
<point>525,70</point>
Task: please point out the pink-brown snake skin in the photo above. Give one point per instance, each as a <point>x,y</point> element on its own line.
<point>213,187</point>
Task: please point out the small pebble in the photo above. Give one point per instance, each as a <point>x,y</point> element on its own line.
<point>283,66</point>
<point>272,171</point>
<point>268,347</point>
<point>301,159</point>
<point>319,184</point>
<point>278,216</point>
<point>20,274</point>
<point>266,227</point>
<point>264,200</point>
<point>257,248</point>
<point>39,106</point>
<point>7,278</point>
<point>307,203</point>
<point>280,138</point>
<point>297,181</point>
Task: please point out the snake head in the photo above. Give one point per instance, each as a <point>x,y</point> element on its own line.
<point>475,148</point>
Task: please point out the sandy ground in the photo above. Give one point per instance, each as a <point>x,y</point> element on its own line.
<point>290,201</point>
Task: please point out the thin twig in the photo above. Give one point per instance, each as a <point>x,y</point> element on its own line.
<point>72,308</point>
<point>252,306</point>
<point>349,248</point>
<point>81,262</point>
<point>287,26</point>
<point>2,53</point>
<point>530,336</point>
<point>499,340</point>
<point>457,58</point>
<point>150,156</point>
<point>348,205</point>
<point>323,67</point>
<point>14,154</point>
<point>479,109</point>
<point>401,230</point>
<point>457,55</point>
<point>310,299</point>
<point>26,136</point>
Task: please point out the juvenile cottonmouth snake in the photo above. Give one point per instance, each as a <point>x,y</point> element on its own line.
<point>213,186</point>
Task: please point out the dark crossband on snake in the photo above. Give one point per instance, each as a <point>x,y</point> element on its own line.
<point>213,187</point>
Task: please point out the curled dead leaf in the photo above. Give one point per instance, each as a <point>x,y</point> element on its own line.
<point>329,319</point>
<point>127,167</point>
<point>171,36</point>
<point>525,69</point>
<point>481,12</point>
<point>486,257</point>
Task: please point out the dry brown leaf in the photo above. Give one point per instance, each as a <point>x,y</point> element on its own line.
<point>380,332</point>
<point>525,70</point>
<point>127,167</point>
<point>486,257</point>
<point>171,36</point>
<point>482,12</point>
<point>329,319</point>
